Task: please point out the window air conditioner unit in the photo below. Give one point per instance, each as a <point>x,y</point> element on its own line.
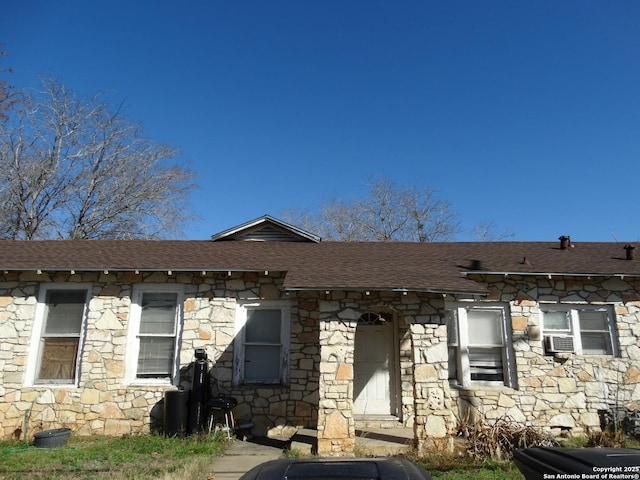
<point>559,343</point>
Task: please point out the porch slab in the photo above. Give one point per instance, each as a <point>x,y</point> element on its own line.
<point>369,441</point>
<point>383,441</point>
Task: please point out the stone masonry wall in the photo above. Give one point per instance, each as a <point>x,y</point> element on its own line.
<point>561,392</point>
<point>102,404</point>
<point>558,393</point>
<point>424,401</point>
<point>564,392</point>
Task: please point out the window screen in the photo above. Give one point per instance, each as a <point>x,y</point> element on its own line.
<point>59,343</point>
<point>157,334</point>
<point>485,344</point>
<point>263,345</point>
<point>591,328</point>
<point>594,330</point>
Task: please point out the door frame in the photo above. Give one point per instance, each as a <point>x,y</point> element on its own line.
<point>395,393</point>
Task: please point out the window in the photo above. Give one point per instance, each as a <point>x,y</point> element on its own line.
<point>586,330</point>
<point>479,346</point>
<point>58,332</point>
<point>262,343</point>
<point>156,313</point>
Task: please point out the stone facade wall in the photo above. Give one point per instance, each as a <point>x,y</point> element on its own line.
<point>102,403</point>
<point>562,392</point>
<point>432,395</point>
<point>418,352</point>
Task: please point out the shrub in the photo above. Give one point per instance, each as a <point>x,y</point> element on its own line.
<point>608,437</point>
<point>497,440</point>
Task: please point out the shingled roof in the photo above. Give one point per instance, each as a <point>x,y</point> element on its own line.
<point>431,267</point>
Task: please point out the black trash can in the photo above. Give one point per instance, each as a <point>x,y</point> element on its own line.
<point>57,437</point>
<point>539,463</point>
<point>176,413</point>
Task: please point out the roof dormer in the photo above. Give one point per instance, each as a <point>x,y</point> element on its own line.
<point>266,229</point>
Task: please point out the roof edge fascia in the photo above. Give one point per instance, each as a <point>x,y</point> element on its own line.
<point>379,289</point>
<point>129,269</point>
<point>546,274</point>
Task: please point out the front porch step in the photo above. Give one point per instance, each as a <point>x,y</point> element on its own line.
<point>377,422</point>
<point>368,441</point>
<point>383,442</point>
<point>305,442</point>
<point>382,435</point>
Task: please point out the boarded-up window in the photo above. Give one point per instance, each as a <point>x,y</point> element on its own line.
<point>60,339</point>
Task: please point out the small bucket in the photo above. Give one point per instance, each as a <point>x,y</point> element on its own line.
<point>53,438</point>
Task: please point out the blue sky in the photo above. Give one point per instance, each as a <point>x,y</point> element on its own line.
<point>525,114</point>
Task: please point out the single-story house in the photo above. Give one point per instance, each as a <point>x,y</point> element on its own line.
<point>318,334</point>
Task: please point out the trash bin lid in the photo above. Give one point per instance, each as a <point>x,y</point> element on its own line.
<point>535,462</point>
<point>332,468</point>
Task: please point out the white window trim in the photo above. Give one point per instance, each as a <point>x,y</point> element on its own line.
<point>241,319</point>
<point>573,309</point>
<point>38,327</point>
<point>133,344</point>
<point>462,356</point>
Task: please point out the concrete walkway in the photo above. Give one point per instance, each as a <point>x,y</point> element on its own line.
<point>240,457</point>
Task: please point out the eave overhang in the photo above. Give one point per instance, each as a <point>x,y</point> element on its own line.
<point>403,291</point>
<point>468,273</point>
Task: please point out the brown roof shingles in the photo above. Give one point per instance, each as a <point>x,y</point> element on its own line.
<point>327,265</point>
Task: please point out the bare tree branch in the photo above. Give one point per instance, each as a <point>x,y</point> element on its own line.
<point>388,213</point>
<point>9,96</point>
<point>488,232</point>
<point>77,168</point>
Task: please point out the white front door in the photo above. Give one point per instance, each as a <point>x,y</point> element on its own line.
<point>373,385</point>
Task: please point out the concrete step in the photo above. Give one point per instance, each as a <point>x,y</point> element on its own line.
<point>384,441</point>
<point>305,442</point>
<point>377,422</point>
<point>369,441</point>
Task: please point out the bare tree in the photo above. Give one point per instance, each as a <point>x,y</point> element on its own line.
<point>9,96</point>
<point>488,232</point>
<point>388,213</point>
<point>78,168</point>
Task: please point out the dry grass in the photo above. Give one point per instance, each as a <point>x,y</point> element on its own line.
<point>446,460</point>
<point>498,440</point>
<point>609,437</point>
<point>140,457</point>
